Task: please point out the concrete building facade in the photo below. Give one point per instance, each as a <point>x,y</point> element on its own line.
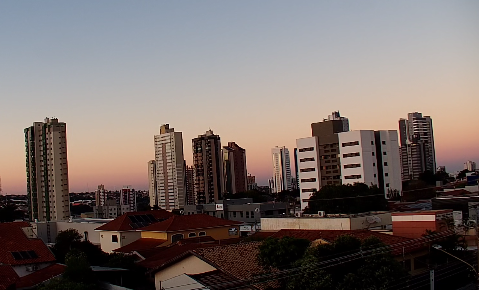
<point>470,165</point>
<point>170,175</point>
<point>234,166</point>
<point>387,152</point>
<point>128,197</point>
<point>208,168</point>
<point>413,160</point>
<point>152,184</point>
<point>308,168</point>
<point>47,170</point>
<point>100,195</point>
<point>189,185</point>
<point>281,170</point>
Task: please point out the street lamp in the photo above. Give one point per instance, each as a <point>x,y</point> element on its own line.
<point>439,248</point>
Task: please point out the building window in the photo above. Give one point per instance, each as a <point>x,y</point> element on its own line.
<point>383,142</point>
<point>374,164</point>
<point>351,155</point>
<point>372,153</point>
<point>85,235</point>
<point>385,164</point>
<point>387,184</point>
<point>384,153</point>
<point>306,149</point>
<point>374,174</point>
<point>114,239</point>
<point>241,214</point>
<point>386,174</point>
<point>176,238</point>
<point>372,142</point>
<point>202,234</point>
<point>252,214</point>
<point>247,214</point>
<point>355,165</point>
<point>350,144</point>
<point>306,159</point>
<point>234,214</point>
<point>309,190</point>
<point>307,169</point>
<point>308,180</point>
<point>357,176</point>
<point>191,235</point>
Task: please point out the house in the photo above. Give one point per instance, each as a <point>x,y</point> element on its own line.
<point>25,261</point>
<point>414,224</point>
<point>123,230</point>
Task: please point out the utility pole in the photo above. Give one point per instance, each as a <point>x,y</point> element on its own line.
<point>431,279</point>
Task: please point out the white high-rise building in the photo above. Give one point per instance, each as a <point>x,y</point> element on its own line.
<point>371,157</point>
<point>309,173</point>
<point>47,170</point>
<point>153,188</point>
<point>281,169</point>
<point>470,165</point>
<point>170,175</point>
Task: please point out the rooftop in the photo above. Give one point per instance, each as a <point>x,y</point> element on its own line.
<point>133,220</point>
<point>40,276</point>
<point>189,222</point>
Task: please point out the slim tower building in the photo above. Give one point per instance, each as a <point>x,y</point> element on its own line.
<point>170,171</point>
<point>100,196</point>
<point>153,187</point>
<point>281,170</point>
<point>234,166</point>
<point>47,170</point>
<point>208,168</point>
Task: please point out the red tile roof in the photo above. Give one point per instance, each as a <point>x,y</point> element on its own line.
<point>13,239</point>
<point>141,244</point>
<point>189,222</point>
<point>123,223</point>
<point>8,276</point>
<point>40,276</point>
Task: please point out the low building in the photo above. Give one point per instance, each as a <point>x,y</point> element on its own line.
<point>241,210</point>
<point>111,209</point>
<point>123,230</point>
<point>372,220</point>
<point>415,224</point>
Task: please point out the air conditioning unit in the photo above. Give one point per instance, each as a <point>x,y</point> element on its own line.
<point>321,213</point>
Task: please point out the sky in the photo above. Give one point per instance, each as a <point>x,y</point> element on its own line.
<point>256,72</point>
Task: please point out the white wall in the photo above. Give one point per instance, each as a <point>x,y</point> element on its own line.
<point>181,282</point>
<point>276,224</point>
<point>367,171</point>
<point>124,238</point>
<point>307,187</point>
<point>393,169</point>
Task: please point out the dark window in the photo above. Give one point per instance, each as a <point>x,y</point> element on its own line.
<point>252,214</point>
<point>202,234</point>
<point>374,164</point>
<point>387,184</point>
<point>373,153</point>
<point>350,144</point>
<point>191,235</point>
<point>234,214</point>
<point>386,174</point>
<point>306,159</point>
<point>307,169</point>
<point>384,153</point>
<point>351,155</point>
<point>85,234</point>
<point>114,239</point>
<point>353,176</point>
<point>306,149</point>
<point>308,180</point>
<point>383,142</point>
<point>247,214</point>
<point>374,174</point>
<point>372,142</point>
<point>309,190</point>
<point>352,165</point>
<point>385,164</point>
<point>176,238</point>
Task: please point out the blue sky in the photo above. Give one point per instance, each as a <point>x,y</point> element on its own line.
<point>256,72</point>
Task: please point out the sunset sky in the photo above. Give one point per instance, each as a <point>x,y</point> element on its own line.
<point>255,72</point>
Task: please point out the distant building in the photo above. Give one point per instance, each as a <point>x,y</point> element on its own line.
<point>308,165</point>
<point>128,197</point>
<point>170,175</point>
<point>251,181</point>
<point>470,165</point>
<point>190,185</point>
<point>441,169</point>
<point>208,168</point>
<point>296,172</point>
<point>100,195</point>
<point>152,182</point>
<point>47,170</point>
<point>413,159</point>
<point>111,209</point>
<point>419,127</point>
<point>234,166</point>
<point>281,170</point>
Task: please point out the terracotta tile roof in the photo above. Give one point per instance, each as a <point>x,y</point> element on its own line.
<point>189,222</point>
<point>8,276</point>
<point>40,276</point>
<point>13,239</point>
<point>162,256</point>
<point>213,278</point>
<point>124,223</point>
<point>141,244</point>
<point>238,260</point>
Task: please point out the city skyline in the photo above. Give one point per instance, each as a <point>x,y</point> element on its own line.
<point>258,74</point>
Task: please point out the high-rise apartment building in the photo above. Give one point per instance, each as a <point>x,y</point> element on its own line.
<point>413,159</point>
<point>470,165</point>
<point>419,128</point>
<point>234,166</point>
<point>308,167</point>
<point>281,170</point>
<point>190,185</point>
<point>128,197</point>
<point>327,134</point>
<point>153,185</point>
<point>170,175</point>
<point>100,195</point>
<point>296,168</point>
<point>387,155</point>
<point>251,180</point>
<point>47,170</point>
<point>208,168</point>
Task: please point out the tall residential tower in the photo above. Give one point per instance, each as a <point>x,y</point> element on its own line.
<point>234,166</point>
<point>47,170</point>
<point>281,170</point>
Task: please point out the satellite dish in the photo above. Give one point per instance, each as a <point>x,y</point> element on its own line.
<point>256,209</point>
<point>373,219</point>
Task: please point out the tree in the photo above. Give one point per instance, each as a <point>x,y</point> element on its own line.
<point>281,253</point>
<point>9,213</point>
<point>379,271</point>
<point>70,239</point>
<point>346,199</point>
<point>462,174</point>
